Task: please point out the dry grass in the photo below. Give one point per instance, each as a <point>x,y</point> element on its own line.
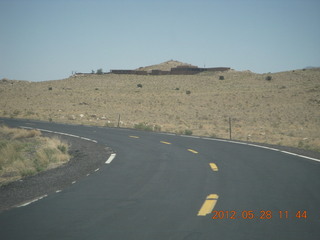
<point>16,133</point>
<point>284,110</point>
<point>25,152</point>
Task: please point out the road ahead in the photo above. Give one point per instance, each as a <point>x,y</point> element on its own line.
<point>164,187</point>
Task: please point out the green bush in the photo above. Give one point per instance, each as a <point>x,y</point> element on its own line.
<point>62,148</point>
<point>99,71</point>
<point>143,126</point>
<point>268,78</point>
<point>213,135</point>
<point>221,77</point>
<point>187,132</point>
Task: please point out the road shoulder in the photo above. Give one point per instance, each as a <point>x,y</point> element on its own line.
<point>86,157</point>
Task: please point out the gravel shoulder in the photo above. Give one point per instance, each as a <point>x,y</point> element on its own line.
<point>86,157</point>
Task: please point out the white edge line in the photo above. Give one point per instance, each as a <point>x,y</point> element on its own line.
<point>205,138</point>
<point>189,136</point>
<point>298,155</point>
<point>34,200</point>
<point>61,133</point>
<point>170,134</point>
<point>112,156</point>
<point>259,146</point>
<point>88,139</point>
<point>43,130</point>
<point>25,127</point>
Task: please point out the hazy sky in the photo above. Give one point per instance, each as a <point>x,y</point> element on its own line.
<point>47,40</point>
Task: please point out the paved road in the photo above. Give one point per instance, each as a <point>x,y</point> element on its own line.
<point>162,187</point>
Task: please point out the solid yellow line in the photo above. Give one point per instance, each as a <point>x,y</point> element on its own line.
<point>208,205</point>
<point>134,136</point>
<point>165,142</point>
<point>213,166</point>
<point>193,151</point>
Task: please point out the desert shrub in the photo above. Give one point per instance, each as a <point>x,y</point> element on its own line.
<point>213,135</point>
<point>30,113</point>
<point>143,126</point>
<point>15,113</point>
<point>24,153</point>
<point>157,128</point>
<point>99,71</point>
<point>221,77</point>
<point>27,172</point>
<point>188,92</point>
<point>49,88</point>
<point>187,132</point>
<point>177,89</point>
<point>110,124</point>
<point>62,148</point>
<point>139,85</point>
<point>268,78</point>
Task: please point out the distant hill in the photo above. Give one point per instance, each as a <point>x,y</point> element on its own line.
<point>165,66</point>
<point>310,67</point>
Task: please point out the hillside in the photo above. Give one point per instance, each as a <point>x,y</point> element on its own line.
<point>283,110</point>
<point>165,66</point>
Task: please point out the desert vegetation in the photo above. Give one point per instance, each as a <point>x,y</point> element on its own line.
<point>26,152</point>
<point>277,108</point>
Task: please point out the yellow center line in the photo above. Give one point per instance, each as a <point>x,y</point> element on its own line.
<point>193,151</point>
<point>134,136</point>
<point>165,142</point>
<point>208,205</point>
<point>213,166</point>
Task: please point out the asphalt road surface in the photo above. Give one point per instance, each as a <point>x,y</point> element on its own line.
<point>162,186</point>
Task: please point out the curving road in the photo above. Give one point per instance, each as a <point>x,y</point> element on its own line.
<point>162,186</point>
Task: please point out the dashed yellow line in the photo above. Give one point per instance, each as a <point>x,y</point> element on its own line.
<point>193,151</point>
<point>134,136</point>
<point>208,205</point>
<point>165,142</point>
<point>213,166</point>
